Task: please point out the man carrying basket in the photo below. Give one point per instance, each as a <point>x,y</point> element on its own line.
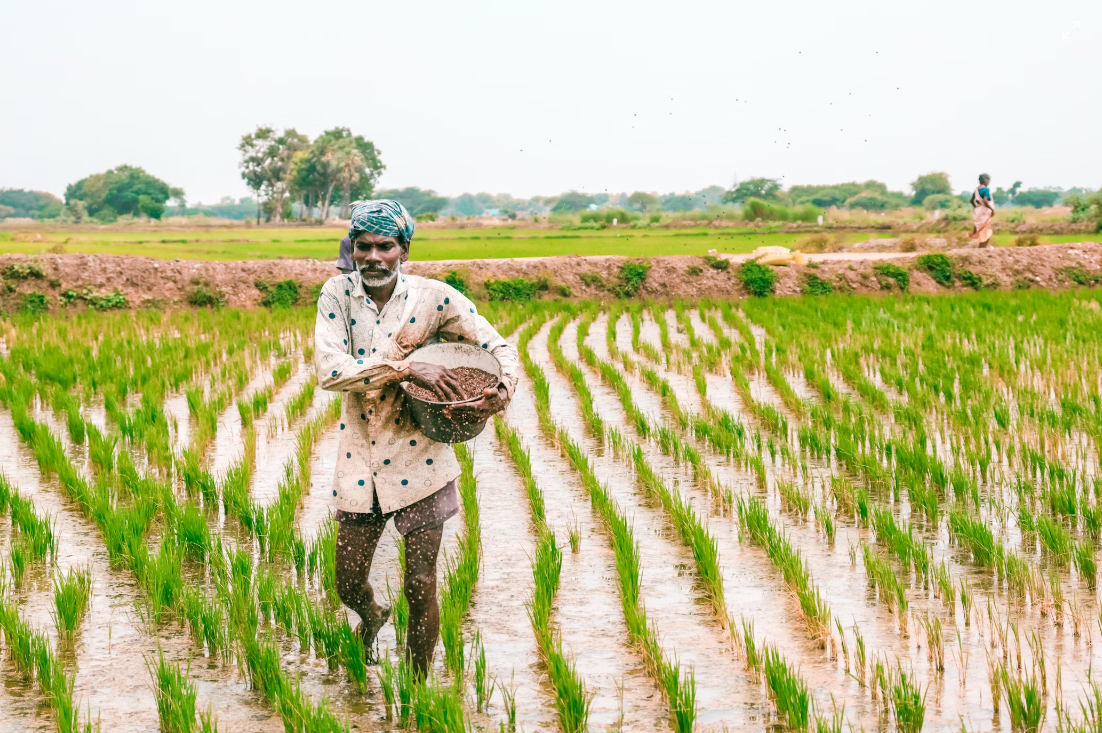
<point>369,320</point>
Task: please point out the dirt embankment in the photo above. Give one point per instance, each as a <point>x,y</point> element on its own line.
<point>148,282</point>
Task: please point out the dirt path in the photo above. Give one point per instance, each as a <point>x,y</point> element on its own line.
<point>149,282</point>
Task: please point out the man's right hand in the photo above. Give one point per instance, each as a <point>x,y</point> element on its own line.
<point>441,380</point>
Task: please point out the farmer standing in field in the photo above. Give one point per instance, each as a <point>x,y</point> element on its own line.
<point>368,321</point>
<point>983,211</point>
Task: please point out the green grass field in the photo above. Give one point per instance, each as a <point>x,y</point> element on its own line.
<point>429,244</point>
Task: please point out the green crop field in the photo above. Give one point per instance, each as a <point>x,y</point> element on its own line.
<point>429,244</point>
<point>721,515</point>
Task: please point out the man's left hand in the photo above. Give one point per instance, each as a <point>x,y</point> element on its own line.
<point>493,401</point>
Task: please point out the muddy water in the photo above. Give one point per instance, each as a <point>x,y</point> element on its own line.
<point>951,698</point>
<point>751,585</point>
<point>113,643</point>
<point>587,590</point>
<point>725,695</point>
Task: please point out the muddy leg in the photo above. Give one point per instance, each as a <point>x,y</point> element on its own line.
<point>356,542</point>
<point>422,549</point>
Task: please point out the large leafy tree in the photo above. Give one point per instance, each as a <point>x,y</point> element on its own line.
<point>338,167</point>
<point>121,191</point>
<point>766,189</point>
<point>267,160</point>
<point>929,185</point>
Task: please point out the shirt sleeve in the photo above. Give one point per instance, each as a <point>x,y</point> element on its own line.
<point>462,322</point>
<point>337,369</point>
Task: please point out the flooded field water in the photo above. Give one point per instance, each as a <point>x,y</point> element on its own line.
<point>987,527</point>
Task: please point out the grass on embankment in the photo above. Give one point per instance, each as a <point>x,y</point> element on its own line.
<point>429,244</point>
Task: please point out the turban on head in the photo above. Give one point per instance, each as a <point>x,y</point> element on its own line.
<point>381,216</point>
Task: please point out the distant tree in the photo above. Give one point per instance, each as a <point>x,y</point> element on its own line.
<point>677,202</point>
<point>178,197</point>
<point>6,211</point>
<point>1036,198</point>
<point>120,192</point>
<point>929,185</point>
<point>766,189</point>
<point>266,164</point>
<point>867,200</point>
<point>467,205</point>
<point>572,202</point>
<point>417,201</point>
<point>641,201</point>
<point>32,204</point>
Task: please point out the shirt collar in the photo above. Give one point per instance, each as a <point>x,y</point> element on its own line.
<point>358,287</point>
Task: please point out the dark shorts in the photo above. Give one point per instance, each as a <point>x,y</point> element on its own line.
<point>432,511</point>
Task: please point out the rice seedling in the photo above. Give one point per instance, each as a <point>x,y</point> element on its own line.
<point>175,695</point>
<point>575,537</point>
<point>907,702</point>
<point>509,697</point>
<point>71,593</point>
<point>788,690</point>
<point>1023,700</point>
<point>825,522</point>
<point>935,642</point>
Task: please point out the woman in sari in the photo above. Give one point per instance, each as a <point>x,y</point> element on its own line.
<point>983,211</point>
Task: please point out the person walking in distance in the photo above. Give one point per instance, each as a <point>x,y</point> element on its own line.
<point>369,320</point>
<point>983,211</point>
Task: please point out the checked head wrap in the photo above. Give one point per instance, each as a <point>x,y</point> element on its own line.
<point>381,216</point>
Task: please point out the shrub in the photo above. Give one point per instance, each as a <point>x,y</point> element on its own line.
<point>426,216</point>
<point>281,295</point>
<point>23,271</point>
<point>1021,283</point>
<point>1013,217</point>
<point>758,280</point>
<point>695,270</point>
<point>815,285</point>
<point>516,289</point>
<point>970,279</point>
<point>655,218</point>
<point>909,244</point>
<point>592,280</point>
<point>958,214</point>
<point>112,301</point>
<point>35,303</point>
<point>938,267</point>
<point>67,297</point>
<point>205,296</point>
<point>813,243</point>
<point>941,201</point>
<point>753,209</point>
<point>717,263</point>
<point>569,226</point>
<point>632,275</point>
<point>888,272</point>
<point>606,216</point>
<point>1027,240</point>
<point>565,290</point>
<point>1079,276</point>
<point>457,281</point>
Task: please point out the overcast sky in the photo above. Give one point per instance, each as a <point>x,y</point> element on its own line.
<point>529,97</point>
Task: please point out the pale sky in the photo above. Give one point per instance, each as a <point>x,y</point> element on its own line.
<point>528,97</point>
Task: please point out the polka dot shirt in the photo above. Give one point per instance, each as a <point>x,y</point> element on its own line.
<point>359,350</point>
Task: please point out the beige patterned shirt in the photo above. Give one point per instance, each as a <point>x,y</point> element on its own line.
<point>359,350</point>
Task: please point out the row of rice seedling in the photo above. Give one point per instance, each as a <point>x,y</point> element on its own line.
<point>37,660</point>
<point>572,699</point>
<point>787,688</point>
<point>680,691</point>
<point>160,578</point>
<point>34,539</point>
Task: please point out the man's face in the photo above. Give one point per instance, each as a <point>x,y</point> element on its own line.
<point>378,258</point>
